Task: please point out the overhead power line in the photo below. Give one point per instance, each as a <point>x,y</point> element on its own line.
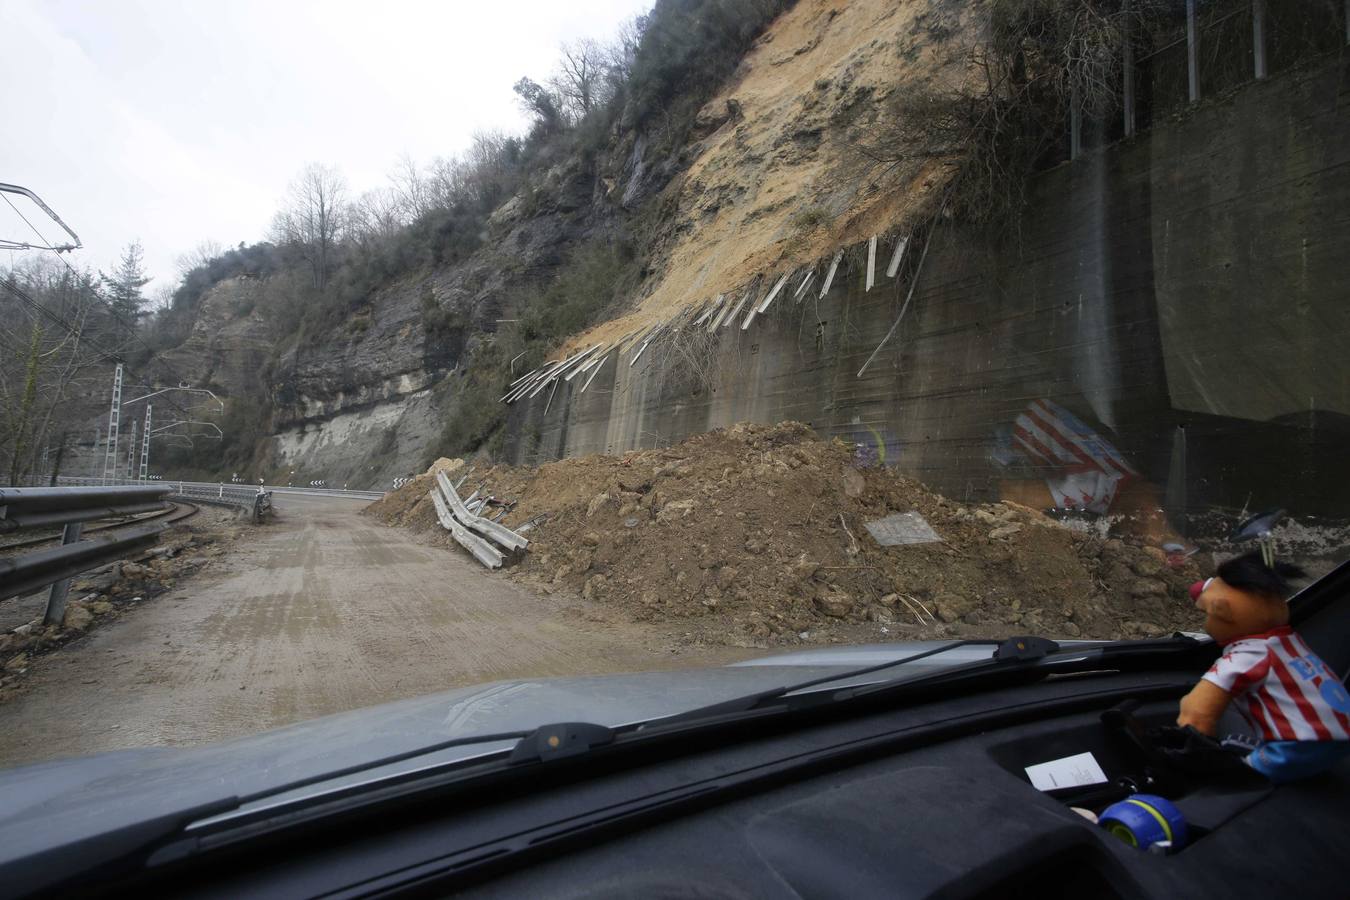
<point>47,245</point>
<point>25,192</point>
<point>42,310</point>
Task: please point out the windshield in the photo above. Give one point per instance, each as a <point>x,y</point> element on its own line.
<point>465,357</point>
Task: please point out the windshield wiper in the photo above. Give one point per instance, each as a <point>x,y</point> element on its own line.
<point>760,699</point>
<point>1021,654</point>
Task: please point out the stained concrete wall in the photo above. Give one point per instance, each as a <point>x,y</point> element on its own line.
<point>1184,292</point>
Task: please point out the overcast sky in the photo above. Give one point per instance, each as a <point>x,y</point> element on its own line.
<point>176,122</point>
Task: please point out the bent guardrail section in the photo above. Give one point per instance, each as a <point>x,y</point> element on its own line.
<point>71,507</point>
<point>486,527</point>
<point>456,518</point>
<point>482,551</point>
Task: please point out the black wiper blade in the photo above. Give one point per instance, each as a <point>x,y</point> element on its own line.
<point>381,762</point>
<point>760,699</point>
<point>1019,652</point>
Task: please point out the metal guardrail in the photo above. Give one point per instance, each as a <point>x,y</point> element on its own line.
<point>71,507</point>
<point>482,551</point>
<point>257,502</point>
<point>456,518</point>
<point>181,486</point>
<point>48,507</point>
<point>326,492</point>
<point>486,527</point>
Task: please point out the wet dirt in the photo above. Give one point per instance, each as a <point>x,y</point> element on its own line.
<point>320,612</point>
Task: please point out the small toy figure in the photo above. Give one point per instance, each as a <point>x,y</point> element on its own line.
<point>1293,700</point>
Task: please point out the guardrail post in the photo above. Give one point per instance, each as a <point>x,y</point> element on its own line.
<point>56,600</point>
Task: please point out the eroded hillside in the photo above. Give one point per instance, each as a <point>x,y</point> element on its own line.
<point>779,179</point>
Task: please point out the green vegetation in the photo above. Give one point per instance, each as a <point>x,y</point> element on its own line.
<point>582,290</point>
<point>810,218</point>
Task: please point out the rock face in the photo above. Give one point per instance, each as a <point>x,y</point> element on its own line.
<point>362,400</point>
<point>230,344</point>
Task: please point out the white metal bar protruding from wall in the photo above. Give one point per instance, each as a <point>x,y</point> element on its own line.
<point>918,270</point>
<point>716,304</point>
<point>596,371</point>
<point>801,288</point>
<point>897,255</point>
<point>578,369</point>
<point>751,311</point>
<point>829,277</point>
<point>643,348</point>
<point>871,264</point>
<point>736,310</point>
<point>774,293</point>
<point>718,319</point>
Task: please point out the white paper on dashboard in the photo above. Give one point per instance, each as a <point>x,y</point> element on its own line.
<point>1066,772</point>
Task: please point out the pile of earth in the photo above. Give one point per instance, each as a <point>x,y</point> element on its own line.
<point>755,534</point>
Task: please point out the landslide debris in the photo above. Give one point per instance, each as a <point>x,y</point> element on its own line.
<point>756,534</point>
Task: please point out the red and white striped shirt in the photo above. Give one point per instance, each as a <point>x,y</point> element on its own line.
<point>1282,688</point>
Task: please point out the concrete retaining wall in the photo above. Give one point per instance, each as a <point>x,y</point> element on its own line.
<point>1184,294</point>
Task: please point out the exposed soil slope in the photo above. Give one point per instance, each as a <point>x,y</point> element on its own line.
<point>777,182</point>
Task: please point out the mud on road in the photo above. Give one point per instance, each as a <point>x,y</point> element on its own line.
<point>320,612</point>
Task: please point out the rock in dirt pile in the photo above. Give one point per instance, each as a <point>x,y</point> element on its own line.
<point>757,534</point>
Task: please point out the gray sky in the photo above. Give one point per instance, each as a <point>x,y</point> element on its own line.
<point>176,122</point>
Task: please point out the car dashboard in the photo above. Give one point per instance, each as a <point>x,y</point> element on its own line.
<point>926,799</point>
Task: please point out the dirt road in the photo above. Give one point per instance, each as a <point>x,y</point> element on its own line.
<point>322,611</point>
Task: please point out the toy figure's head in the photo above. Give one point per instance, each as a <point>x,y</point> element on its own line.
<point>1245,597</point>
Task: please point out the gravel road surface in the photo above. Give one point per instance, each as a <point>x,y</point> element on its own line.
<point>319,612</point>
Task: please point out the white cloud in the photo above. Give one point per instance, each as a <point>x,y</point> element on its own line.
<point>177,122</point>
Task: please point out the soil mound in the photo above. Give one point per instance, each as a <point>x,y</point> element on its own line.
<point>757,534</point>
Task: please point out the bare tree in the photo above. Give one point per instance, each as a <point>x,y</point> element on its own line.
<point>199,256</point>
<point>621,54</point>
<point>447,182</point>
<point>48,359</point>
<point>161,298</point>
<point>377,214</point>
<point>580,82</point>
<point>411,188</point>
<point>313,218</point>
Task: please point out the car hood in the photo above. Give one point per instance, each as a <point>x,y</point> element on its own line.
<point>57,803</point>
